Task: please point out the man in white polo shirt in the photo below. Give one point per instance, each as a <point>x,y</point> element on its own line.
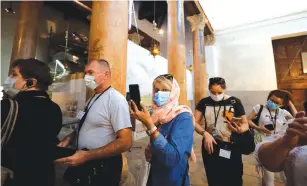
<point>104,131</point>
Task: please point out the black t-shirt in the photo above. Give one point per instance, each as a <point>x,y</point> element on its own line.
<point>216,112</point>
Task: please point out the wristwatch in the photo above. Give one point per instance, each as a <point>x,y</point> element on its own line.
<point>152,130</point>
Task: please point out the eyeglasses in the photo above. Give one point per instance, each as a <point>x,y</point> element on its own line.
<point>167,76</point>
<point>218,80</point>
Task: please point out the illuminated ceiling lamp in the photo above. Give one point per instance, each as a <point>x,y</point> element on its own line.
<point>155,48</point>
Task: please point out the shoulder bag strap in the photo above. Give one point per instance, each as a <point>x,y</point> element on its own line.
<point>9,123</point>
<point>258,115</point>
<point>204,115</point>
<point>185,173</point>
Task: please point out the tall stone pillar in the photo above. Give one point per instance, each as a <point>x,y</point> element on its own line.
<point>108,38</point>
<point>26,33</point>
<point>198,23</point>
<point>176,46</point>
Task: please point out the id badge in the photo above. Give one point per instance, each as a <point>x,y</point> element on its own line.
<point>80,115</point>
<point>225,153</point>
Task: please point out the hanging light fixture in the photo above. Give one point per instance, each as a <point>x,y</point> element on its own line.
<point>155,48</point>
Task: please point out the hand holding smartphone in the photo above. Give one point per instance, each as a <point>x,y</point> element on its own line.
<point>270,127</point>
<point>61,152</point>
<point>135,96</point>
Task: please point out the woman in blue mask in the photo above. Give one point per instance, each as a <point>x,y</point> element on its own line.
<point>171,134</point>
<point>28,142</point>
<point>270,124</point>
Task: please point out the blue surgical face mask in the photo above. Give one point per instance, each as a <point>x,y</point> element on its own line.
<point>271,105</point>
<point>161,97</point>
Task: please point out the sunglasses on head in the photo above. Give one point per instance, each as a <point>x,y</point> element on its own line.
<point>218,80</point>
<point>167,76</point>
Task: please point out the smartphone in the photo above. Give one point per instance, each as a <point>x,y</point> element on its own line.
<point>61,152</point>
<point>134,93</point>
<point>270,127</point>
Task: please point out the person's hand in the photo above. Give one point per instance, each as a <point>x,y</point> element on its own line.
<point>264,130</point>
<point>208,142</point>
<point>65,142</point>
<point>299,128</point>
<point>142,116</point>
<point>296,134</point>
<point>148,154</point>
<point>78,158</point>
<point>236,127</point>
<point>5,174</point>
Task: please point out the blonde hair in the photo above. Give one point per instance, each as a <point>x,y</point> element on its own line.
<point>166,83</point>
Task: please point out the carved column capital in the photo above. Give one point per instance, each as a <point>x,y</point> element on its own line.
<point>197,21</point>
<point>209,40</point>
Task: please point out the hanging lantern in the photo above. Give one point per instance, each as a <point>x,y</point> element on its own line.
<point>155,50</point>
<point>190,68</point>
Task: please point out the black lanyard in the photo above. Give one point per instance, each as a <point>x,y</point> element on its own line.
<point>88,106</point>
<point>86,110</point>
<point>216,116</point>
<point>275,119</point>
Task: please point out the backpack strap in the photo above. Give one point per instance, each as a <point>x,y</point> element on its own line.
<point>258,115</point>
<point>9,124</point>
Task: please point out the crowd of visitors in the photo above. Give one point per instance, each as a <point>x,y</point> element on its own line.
<point>31,122</point>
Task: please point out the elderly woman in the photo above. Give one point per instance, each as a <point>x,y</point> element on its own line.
<point>171,134</point>
<point>30,149</point>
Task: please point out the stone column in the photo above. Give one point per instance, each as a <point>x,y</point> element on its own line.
<point>198,23</point>
<point>26,33</point>
<point>108,38</point>
<point>176,46</point>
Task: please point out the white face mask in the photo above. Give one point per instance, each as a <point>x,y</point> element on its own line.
<point>8,87</point>
<point>90,81</point>
<point>218,97</point>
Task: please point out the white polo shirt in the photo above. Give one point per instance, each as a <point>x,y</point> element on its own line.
<point>108,114</point>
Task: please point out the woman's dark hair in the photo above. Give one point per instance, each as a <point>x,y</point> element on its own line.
<point>33,68</point>
<point>285,95</point>
<point>217,81</point>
